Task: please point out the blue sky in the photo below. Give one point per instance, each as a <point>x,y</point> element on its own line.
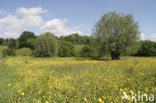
<point>68,16</point>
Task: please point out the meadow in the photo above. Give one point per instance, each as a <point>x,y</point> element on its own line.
<point>69,80</point>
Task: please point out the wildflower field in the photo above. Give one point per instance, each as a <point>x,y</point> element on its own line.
<point>67,80</point>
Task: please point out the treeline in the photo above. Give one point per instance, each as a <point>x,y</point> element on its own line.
<point>115,34</point>
<point>47,45</point>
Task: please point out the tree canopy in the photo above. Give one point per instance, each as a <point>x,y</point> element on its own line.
<point>46,45</point>
<point>27,40</point>
<point>66,49</point>
<point>116,33</point>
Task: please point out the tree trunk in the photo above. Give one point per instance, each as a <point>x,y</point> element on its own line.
<point>115,55</point>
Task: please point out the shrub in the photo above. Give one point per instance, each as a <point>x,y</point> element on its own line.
<point>23,52</point>
<point>148,48</point>
<point>46,45</point>
<point>66,49</point>
<point>88,52</point>
<point>8,52</point>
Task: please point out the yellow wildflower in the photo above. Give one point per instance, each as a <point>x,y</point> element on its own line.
<point>9,85</point>
<point>85,99</point>
<point>22,93</point>
<point>100,100</point>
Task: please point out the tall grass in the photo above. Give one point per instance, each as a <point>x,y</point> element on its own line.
<point>1,49</point>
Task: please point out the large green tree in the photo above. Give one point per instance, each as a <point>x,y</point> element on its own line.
<point>46,45</point>
<point>116,33</point>
<point>27,40</point>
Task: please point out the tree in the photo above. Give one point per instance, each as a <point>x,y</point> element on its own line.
<point>77,38</point>
<point>26,40</point>
<point>66,49</point>
<point>69,38</point>
<point>147,48</point>
<point>88,52</point>
<point>87,40</point>
<point>12,43</point>
<point>116,34</point>
<point>1,41</point>
<point>46,45</point>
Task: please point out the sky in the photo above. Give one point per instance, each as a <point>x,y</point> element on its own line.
<point>64,17</point>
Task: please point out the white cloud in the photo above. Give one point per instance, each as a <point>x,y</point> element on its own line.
<point>30,11</point>
<point>148,37</point>
<point>10,34</point>
<point>13,24</point>
<point>152,37</point>
<point>25,18</point>
<point>57,27</point>
<point>142,36</point>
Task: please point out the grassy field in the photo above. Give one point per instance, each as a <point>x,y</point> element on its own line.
<point>67,80</point>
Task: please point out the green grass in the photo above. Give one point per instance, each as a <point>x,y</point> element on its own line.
<point>1,49</point>
<point>24,52</point>
<point>5,77</point>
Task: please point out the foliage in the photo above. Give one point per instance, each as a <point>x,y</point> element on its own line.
<point>2,47</point>
<point>8,52</point>
<point>66,80</point>
<point>148,48</point>
<point>24,52</point>
<point>1,41</point>
<point>88,52</point>
<point>11,43</point>
<point>46,45</point>
<point>116,33</point>
<point>26,40</point>
<point>78,39</point>
<point>66,49</point>
<point>69,38</point>
<point>87,40</point>
<point>78,48</point>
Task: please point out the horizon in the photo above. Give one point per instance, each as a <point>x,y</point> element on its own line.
<point>66,17</point>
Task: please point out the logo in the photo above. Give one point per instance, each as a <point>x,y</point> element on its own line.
<point>138,97</point>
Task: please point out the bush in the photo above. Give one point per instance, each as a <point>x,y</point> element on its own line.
<point>88,52</point>
<point>46,45</point>
<point>66,49</point>
<point>148,48</point>
<point>23,52</point>
<point>8,52</point>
